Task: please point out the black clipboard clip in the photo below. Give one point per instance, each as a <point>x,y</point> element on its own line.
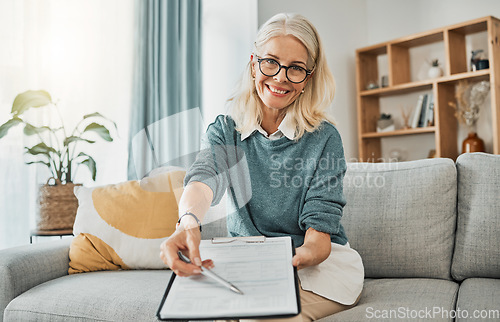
<point>249,239</point>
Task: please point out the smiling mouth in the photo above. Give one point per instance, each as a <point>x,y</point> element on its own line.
<point>276,91</point>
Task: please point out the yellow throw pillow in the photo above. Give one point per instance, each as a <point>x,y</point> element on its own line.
<point>121,226</point>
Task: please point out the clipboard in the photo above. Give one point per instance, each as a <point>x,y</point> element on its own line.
<point>261,267</point>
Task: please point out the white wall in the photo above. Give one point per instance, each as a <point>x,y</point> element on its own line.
<point>228,31</point>
<point>342,28</point>
<point>388,19</point>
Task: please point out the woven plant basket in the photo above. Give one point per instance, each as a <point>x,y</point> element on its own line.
<point>57,206</point>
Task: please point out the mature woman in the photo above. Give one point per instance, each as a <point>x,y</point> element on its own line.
<point>282,163</point>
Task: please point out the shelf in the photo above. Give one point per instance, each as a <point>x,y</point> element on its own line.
<point>399,89</point>
<point>403,58</point>
<point>426,84</point>
<point>472,76</point>
<point>418,130</point>
<point>424,38</point>
<point>471,27</point>
<point>373,50</point>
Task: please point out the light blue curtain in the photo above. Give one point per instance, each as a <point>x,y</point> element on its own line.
<point>166,120</point>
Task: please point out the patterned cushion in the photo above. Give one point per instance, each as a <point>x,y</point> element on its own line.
<point>477,250</point>
<point>121,226</point>
<point>401,217</point>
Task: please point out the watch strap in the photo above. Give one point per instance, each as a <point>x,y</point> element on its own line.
<point>192,215</point>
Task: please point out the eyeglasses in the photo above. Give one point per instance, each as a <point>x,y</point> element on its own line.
<point>295,74</point>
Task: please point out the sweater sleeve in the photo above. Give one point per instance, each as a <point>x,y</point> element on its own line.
<point>324,200</point>
<point>210,166</point>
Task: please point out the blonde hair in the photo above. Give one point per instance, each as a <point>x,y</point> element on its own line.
<point>308,111</point>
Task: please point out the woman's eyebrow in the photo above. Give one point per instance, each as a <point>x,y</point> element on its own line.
<point>277,58</point>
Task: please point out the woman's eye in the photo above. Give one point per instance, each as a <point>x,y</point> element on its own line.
<point>271,62</point>
<point>297,68</point>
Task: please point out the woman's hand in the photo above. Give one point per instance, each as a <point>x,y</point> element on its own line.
<point>316,248</point>
<point>196,199</point>
<point>187,239</point>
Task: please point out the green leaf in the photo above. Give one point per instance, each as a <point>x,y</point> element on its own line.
<point>41,148</point>
<point>90,163</point>
<point>71,139</point>
<point>97,114</point>
<point>4,128</point>
<point>28,99</point>
<point>31,130</point>
<point>42,162</point>
<point>99,129</point>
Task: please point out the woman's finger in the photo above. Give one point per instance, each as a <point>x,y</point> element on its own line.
<point>169,253</point>
<point>209,264</point>
<point>193,246</point>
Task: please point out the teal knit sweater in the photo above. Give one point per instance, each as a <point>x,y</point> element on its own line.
<point>275,187</point>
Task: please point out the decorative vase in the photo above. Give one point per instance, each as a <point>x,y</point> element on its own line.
<point>434,72</point>
<point>472,143</point>
<point>57,207</point>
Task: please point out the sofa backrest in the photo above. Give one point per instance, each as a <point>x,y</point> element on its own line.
<point>401,217</point>
<point>477,250</point>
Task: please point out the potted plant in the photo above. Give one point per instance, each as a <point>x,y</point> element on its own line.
<point>57,149</point>
<point>435,71</point>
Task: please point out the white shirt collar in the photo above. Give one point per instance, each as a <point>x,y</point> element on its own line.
<point>285,128</point>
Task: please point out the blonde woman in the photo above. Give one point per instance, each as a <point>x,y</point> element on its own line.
<point>277,125</point>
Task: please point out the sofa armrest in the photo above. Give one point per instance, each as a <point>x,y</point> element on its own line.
<point>22,268</point>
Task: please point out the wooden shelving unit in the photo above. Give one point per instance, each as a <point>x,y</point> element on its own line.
<point>455,68</point>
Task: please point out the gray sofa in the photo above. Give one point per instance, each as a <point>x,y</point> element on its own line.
<point>428,232</point>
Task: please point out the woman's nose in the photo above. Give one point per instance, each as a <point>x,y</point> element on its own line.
<point>281,76</point>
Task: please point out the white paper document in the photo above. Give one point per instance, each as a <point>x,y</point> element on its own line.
<point>262,271</point>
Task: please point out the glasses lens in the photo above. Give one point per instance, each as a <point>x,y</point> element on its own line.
<point>269,67</point>
<point>296,74</point>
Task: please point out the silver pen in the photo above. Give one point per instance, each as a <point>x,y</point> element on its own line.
<point>211,274</point>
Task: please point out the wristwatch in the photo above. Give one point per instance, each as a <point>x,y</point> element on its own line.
<point>192,215</point>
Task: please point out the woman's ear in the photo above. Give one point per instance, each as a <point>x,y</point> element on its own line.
<point>252,63</point>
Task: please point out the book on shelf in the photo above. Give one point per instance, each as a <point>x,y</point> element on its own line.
<point>421,120</point>
<point>429,114</point>
<point>424,111</point>
<point>417,111</point>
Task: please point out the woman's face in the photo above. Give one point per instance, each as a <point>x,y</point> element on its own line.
<point>277,92</point>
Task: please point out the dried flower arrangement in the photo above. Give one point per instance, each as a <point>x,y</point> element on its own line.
<point>405,113</point>
<point>469,99</point>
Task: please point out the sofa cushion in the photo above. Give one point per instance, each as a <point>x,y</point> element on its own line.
<point>477,251</point>
<point>402,300</point>
<point>479,299</point>
<point>103,296</point>
<point>121,226</point>
<point>401,217</point>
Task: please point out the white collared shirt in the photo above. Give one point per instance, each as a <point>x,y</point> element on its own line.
<point>285,128</point>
